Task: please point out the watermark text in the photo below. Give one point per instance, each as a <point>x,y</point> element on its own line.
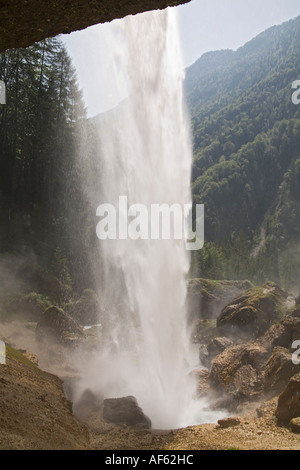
<point>157,222</point>
<point>296,354</point>
<point>2,92</point>
<point>2,353</point>
<point>296,94</point>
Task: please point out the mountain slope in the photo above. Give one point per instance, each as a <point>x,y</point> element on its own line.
<point>246,139</point>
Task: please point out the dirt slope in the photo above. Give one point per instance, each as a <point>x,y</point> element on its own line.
<point>34,413</point>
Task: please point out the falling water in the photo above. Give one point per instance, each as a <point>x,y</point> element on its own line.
<point>146,156</point>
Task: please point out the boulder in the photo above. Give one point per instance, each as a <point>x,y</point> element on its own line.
<point>295,425</point>
<point>203,356</point>
<point>206,298</point>
<point>237,372</point>
<point>277,335</point>
<point>203,386</point>
<point>251,314</point>
<point>289,401</point>
<point>296,312</point>
<point>204,331</point>
<point>216,346</point>
<point>86,404</point>
<point>291,324</point>
<point>267,408</point>
<point>55,325</point>
<point>228,422</point>
<point>278,371</point>
<point>125,410</point>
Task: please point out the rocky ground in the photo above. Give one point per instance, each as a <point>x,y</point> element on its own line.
<point>252,433</point>
<point>36,415</point>
<point>35,383</point>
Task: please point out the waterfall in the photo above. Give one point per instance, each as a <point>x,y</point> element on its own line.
<point>145,154</point>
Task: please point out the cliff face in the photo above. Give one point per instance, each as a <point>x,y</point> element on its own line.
<point>23,22</point>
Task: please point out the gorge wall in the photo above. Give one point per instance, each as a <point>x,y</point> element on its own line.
<point>24,22</point>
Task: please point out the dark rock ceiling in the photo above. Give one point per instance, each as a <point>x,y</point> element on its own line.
<point>23,22</point>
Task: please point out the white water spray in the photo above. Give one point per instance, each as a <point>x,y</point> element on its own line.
<point>146,156</point>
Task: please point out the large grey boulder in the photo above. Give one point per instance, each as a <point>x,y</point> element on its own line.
<point>125,410</point>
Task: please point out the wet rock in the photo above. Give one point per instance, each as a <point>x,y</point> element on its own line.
<point>251,314</point>
<point>289,401</point>
<point>267,408</point>
<point>216,346</point>
<point>228,422</point>
<point>237,372</point>
<point>204,331</point>
<point>206,298</point>
<point>292,325</point>
<point>295,425</point>
<point>125,410</point>
<point>277,335</point>
<point>203,385</point>
<point>88,403</point>
<point>296,312</point>
<point>278,371</point>
<point>56,325</point>
<point>203,356</point>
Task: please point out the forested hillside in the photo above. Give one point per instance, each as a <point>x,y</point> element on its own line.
<point>246,149</point>
<point>42,207</point>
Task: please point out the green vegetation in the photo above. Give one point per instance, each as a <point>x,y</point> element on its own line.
<point>204,331</point>
<point>42,202</point>
<point>45,220</point>
<point>246,157</point>
<point>17,356</point>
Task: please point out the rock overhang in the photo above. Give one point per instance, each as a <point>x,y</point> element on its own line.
<point>23,22</point>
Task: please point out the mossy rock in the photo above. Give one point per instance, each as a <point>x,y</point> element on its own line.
<point>206,297</point>
<point>205,331</point>
<point>56,325</point>
<point>251,314</point>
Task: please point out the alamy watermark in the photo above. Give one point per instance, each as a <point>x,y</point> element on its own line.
<point>296,354</point>
<point>157,222</point>
<point>2,353</point>
<point>296,94</point>
<point>2,92</point>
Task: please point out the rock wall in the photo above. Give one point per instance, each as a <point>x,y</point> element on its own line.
<point>24,22</point>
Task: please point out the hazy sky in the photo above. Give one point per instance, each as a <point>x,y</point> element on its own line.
<point>205,25</point>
